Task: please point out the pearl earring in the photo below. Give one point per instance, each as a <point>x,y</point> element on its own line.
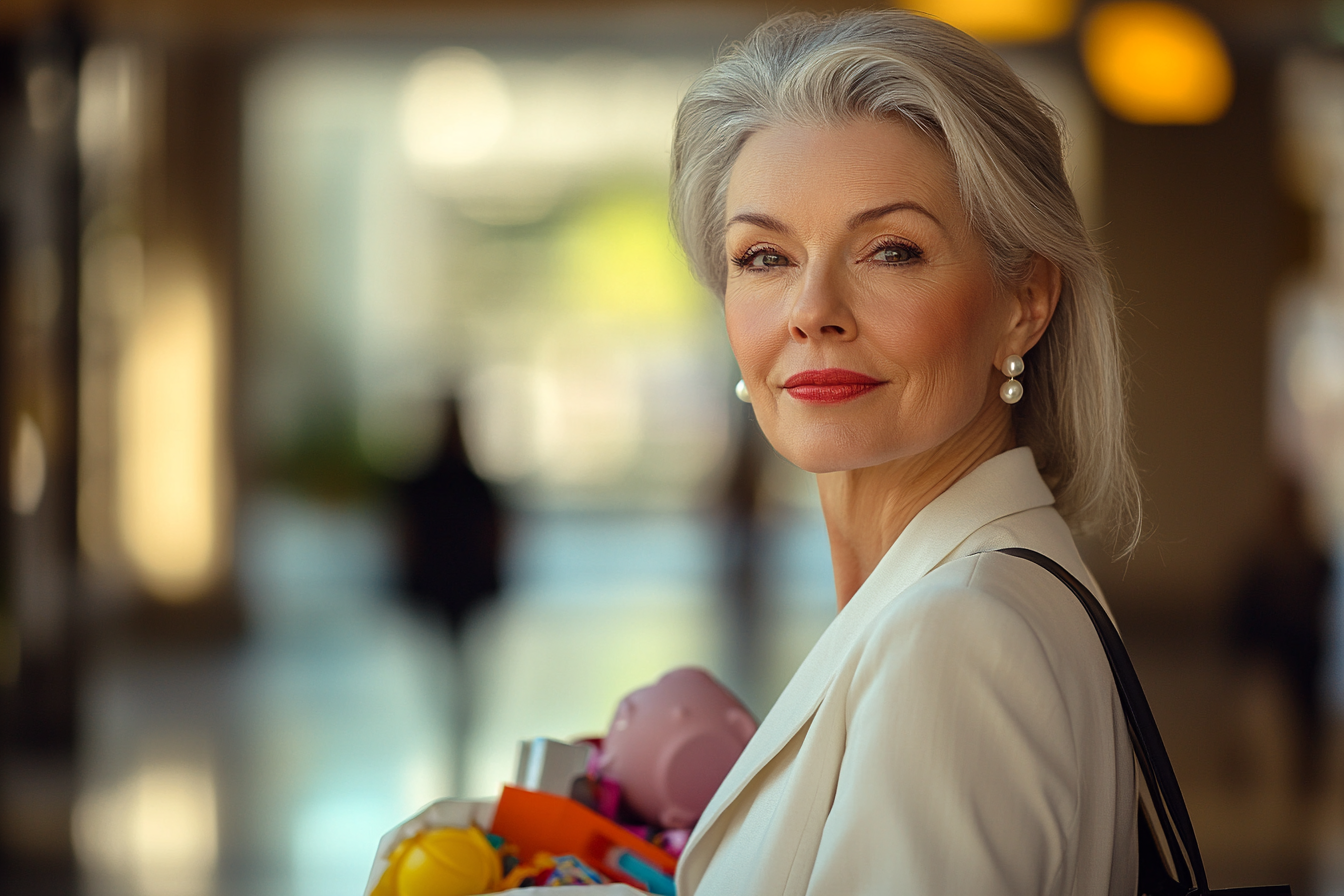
<point>1011,391</point>
<point>742,393</point>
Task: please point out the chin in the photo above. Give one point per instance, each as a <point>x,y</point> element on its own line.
<point>834,453</point>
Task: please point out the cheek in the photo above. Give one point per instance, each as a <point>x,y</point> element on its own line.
<point>945,346</point>
<point>752,333</point>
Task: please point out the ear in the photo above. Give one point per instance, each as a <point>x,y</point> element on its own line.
<point>1034,299</point>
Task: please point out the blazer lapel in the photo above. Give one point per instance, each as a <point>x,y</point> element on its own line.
<point>1003,485</point>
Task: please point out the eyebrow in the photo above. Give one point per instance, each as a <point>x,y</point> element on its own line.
<point>769,222</point>
<point>760,220</point>
<point>873,214</point>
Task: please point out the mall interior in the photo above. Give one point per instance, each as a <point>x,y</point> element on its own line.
<point>291,288</point>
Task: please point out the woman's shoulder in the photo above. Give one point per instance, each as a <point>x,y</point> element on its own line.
<point>962,604</point>
<point>989,609</point>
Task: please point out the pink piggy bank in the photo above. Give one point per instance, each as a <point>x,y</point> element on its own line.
<point>672,744</point>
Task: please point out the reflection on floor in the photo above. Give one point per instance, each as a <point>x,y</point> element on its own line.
<point>271,769</point>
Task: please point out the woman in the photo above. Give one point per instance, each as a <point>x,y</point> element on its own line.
<point>882,206</point>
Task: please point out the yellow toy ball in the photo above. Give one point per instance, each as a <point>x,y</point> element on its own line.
<point>443,862</point>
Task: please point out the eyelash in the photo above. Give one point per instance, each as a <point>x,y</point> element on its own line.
<point>916,253</point>
<point>746,258</point>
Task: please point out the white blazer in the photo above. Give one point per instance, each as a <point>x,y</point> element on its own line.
<point>955,730</point>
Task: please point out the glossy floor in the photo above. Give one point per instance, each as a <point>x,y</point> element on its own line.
<point>271,767</point>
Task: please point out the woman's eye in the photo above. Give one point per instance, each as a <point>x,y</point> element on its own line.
<point>896,254</point>
<point>761,258</point>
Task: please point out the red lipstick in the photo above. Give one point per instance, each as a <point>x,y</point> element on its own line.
<point>829,386</point>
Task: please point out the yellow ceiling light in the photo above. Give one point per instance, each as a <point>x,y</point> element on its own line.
<point>1157,63</point>
<point>1002,21</point>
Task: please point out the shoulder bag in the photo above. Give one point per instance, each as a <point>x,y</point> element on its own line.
<point>1155,877</point>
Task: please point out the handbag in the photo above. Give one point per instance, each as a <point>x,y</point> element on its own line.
<point>1155,878</point>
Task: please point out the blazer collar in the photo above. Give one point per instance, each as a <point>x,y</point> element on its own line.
<point>1003,485</point>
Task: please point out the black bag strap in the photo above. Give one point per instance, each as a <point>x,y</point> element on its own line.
<point>1148,747</point>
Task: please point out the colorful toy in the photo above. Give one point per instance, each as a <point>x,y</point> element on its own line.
<point>620,808</point>
<point>538,822</point>
<point>671,745</point>
<point>551,765</point>
<point>441,862</point>
<point>595,792</point>
<point>633,866</point>
<point>672,840</point>
<point>532,874</point>
<point>570,870</point>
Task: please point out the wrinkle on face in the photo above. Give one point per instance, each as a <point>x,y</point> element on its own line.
<point>924,318</point>
<point>929,330</point>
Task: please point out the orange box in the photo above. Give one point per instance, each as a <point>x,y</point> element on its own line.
<point>558,825</point>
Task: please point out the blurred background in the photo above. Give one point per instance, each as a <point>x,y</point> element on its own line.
<point>358,416</point>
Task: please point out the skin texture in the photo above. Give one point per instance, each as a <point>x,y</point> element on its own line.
<point>849,248</point>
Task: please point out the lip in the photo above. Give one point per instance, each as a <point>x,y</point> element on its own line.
<point>829,386</point>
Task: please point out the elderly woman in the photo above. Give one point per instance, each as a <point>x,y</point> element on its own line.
<point>921,320</point>
<point>882,205</point>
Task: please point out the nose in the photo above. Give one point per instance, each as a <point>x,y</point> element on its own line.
<point>821,309</point>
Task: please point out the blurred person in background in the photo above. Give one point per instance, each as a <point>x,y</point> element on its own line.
<point>450,526</point>
<point>1278,612</point>
<point>744,545</point>
<point>450,533</point>
<point>881,203</point>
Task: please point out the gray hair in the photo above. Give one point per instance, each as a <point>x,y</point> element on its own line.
<point>1005,146</point>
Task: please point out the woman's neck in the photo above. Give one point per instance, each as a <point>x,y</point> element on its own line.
<point>867,509</point>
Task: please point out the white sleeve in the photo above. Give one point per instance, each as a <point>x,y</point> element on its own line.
<point>959,773</point>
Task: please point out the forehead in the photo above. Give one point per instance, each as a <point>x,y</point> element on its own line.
<point>838,170</point>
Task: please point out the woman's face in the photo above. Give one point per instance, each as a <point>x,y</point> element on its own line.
<point>860,303</point>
